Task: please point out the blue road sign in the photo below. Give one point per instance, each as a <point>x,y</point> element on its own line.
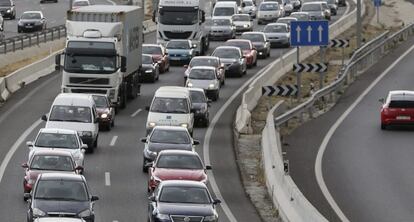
<point>377,3</point>
<point>309,33</point>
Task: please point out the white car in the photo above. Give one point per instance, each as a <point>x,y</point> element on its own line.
<point>80,3</point>
<point>249,8</point>
<point>243,22</point>
<point>268,12</point>
<point>59,139</point>
<point>205,77</point>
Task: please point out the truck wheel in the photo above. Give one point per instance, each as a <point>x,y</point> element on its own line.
<point>123,96</point>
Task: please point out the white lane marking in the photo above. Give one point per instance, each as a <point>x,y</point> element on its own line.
<point>114,221</point>
<point>15,146</point>
<point>206,145</point>
<point>113,141</point>
<point>322,148</point>
<point>136,113</point>
<point>107,179</point>
<point>112,2</point>
<point>347,9</point>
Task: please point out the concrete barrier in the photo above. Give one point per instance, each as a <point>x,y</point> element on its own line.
<point>4,93</point>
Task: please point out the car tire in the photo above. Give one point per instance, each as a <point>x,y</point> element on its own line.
<point>255,62</point>
<point>112,123</point>
<point>383,126</point>
<point>108,127</point>
<point>206,122</point>
<point>95,143</point>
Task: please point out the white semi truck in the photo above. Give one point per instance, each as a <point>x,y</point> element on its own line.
<point>103,51</point>
<point>182,19</point>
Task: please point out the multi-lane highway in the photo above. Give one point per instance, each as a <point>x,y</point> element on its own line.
<point>368,171</point>
<point>114,170</point>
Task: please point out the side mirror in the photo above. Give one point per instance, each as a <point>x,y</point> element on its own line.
<point>216,201</point>
<point>166,53</point>
<point>27,196</point>
<point>254,48</point>
<point>79,168</point>
<point>382,100</point>
<point>203,16</point>
<point>243,5</point>
<point>147,108</point>
<point>196,142</point>
<point>185,66</point>
<point>149,164</point>
<point>193,110</point>
<point>208,167</point>
<point>44,117</point>
<point>151,198</point>
<point>25,165</point>
<point>123,63</point>
<point>94,198</point>
<point>57,62</point>
<point>144,139</point>
<point>29,144</point>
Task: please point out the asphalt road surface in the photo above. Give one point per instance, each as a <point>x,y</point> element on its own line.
<point>368,171</point>
<point>119,152</point>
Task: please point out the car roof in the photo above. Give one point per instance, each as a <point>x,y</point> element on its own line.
<point>206,57</point>
<point>239,40</point>
<point>58,131</point>
<point>227,47</point>
<point>153,45</point>
<point>180,152</point>
<point>58,219</point>
<point>248,33</point>
<point>288,18</point>
<point>204,67</point>
<point>183,183</point>
<point>175,128</point>
<point>225,3</point>
<point>402,95</point>
<point>55,152</point>
<point>33,12</point>
<point>277,23</point>
<point>73,99</point>
<point>61,176</point>
<point>294,13</point>
<point>172,92</point>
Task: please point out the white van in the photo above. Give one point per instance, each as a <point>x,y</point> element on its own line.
<point>171,106</point>
<point>75,111</point>
<point>225,9</point>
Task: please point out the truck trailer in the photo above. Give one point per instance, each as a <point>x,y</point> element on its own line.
<point>103,52</point>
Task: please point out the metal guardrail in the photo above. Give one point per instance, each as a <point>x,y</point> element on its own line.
<point>361,60</point>
<point>27,40</point>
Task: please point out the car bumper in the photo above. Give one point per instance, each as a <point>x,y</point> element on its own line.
<point>210,93</point>
<point>179,59</point>
<point>277,42</point>
<point>220,35</point>
<point>233,69</point>
<point>6,14</point>
<point>88,140</point>
<point>29,28</point>
<point>244,29</point>
<point>392,121</point>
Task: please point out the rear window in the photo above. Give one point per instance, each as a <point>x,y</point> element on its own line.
<point>401,104</point>
<point>5,3</point>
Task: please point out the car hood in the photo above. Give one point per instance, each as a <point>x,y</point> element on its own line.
<point>71,207</point>
<point>179,51</point>
<point>272,13</point>
<point>158,147</point>
<point>228,60</point>
<point>315,13</point>
<point>185,209</point>
<point>239,23</point>
<point>198,83</point>
<point>179,174</point>
<point>29,20</point>
<point>147,66</point>
<point>103,110</point>
<point>258,44</point>
<point>275,34</point>
<point>70,125</point>
<point>220,28</point>
<point>5,8</point>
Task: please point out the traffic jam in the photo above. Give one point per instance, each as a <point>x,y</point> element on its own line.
<point>100,73</point>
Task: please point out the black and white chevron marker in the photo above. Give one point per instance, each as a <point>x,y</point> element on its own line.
<point>310,67</point>
<point>339,43</point>
<point>280,90</point>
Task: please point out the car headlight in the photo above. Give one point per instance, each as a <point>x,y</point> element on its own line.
<point>8,10</point>
<point>246,26</point>
<point>104,116</point>
<point>20,23</point>
<point>211,86</point>
<point>163,216</point>
<point>151,124</point>
<point>150,153</point>
<point>85,133</point>
<point>31,181</point>
<point>189,84</point>
<point>148,71</point>
<point>185,125</point>
<point>85,213</point>
<point>211,218</point>
<point>38,213</point>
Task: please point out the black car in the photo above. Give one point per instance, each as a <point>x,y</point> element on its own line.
<point>182,200</point>
<point>233,59</point>
<point>150,68</point>
<point>260,42</point>
<point>165,138</point>
<point>7,9</point>
<point>60,195</point>
<point>200,104</point>
<point>31,21</point>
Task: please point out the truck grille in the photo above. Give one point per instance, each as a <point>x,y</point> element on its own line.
<point>86,80</point>
<point>178,35</point>
<point>95,91</point>
<point>175,218</point>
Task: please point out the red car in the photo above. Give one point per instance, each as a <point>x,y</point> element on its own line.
<point>48,161</point>
<point>397,109</point>
<point>249,51</point>
<point>159,54</point>
<point>106,112</point>
<point>177,165</point>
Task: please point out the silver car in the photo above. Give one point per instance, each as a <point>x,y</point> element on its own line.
<point>232,58</point>
<point>249,8</point>
<point>222,29</point>
<point>314,9</point>
<point>242,22</point>
<point>205,77</point>
<point>301,16</point>
<point>286,20</point>
<point>268,12</point>
<point>278,34</point>
<point>59,139</point>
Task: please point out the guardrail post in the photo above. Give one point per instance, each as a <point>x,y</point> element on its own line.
<point>44,35</point>
<point>310,112</point>
<point>14,45</point>
<point>37,38</point>
<point>5,47</point>
<point>58,33</point>
<point>30,40</point>
<point>52,34</point>
<point>21,41</point>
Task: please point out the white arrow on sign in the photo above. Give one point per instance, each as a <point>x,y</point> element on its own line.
<point>298,30</point>
<point>320,29</point>
<point>309,33</point>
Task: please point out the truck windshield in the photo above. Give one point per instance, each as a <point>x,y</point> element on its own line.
<point>178,17</point>
<point>90,64</point>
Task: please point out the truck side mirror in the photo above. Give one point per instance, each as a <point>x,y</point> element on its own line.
<point>203,16</point>
<point>57,62</point>
<point>123,63</point>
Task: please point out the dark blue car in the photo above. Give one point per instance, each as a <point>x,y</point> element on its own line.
<point>180,51</point>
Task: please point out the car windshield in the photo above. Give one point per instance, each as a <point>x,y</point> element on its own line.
<point>169,105</point>
<point>79,114</point>
<point>51,162</point>
<point>81,3</point>
<point>151,50</point>
<point>31,16</point>
<point>275,28</point>
<point>269,7</point>
<point>227,53</point>
<point>331,1</point>
<point>62,190</point>
<point>223,11</point>
<point>241,18</point>
<point>221,22</point>
<point>197,96</point>
<point>57,140</point>
<point>178,45</point>
<point>311,7</point>
<point>172,16</point>
<point>202,74</point>
<point>147,60</point>
<point>177,161</point>
<point>248,3</point>
<point>203,62</point>
<point>253,37</point>
<point>170,136</point>
<point>401,104</point>
<point>5,3</point>
<point>191,195</point>
<point>243,45</point>
<point>100,101</point>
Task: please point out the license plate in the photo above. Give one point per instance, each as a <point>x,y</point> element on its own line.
<point>403,118</point>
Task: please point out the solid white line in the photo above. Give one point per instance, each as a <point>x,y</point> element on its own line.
<point>113,141</point>
<point>322,148</point>
<point>107,179</point>
<point>136,113</point>
<point>15,146</point>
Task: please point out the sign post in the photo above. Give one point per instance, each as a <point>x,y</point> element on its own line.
<point>377,4</point>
